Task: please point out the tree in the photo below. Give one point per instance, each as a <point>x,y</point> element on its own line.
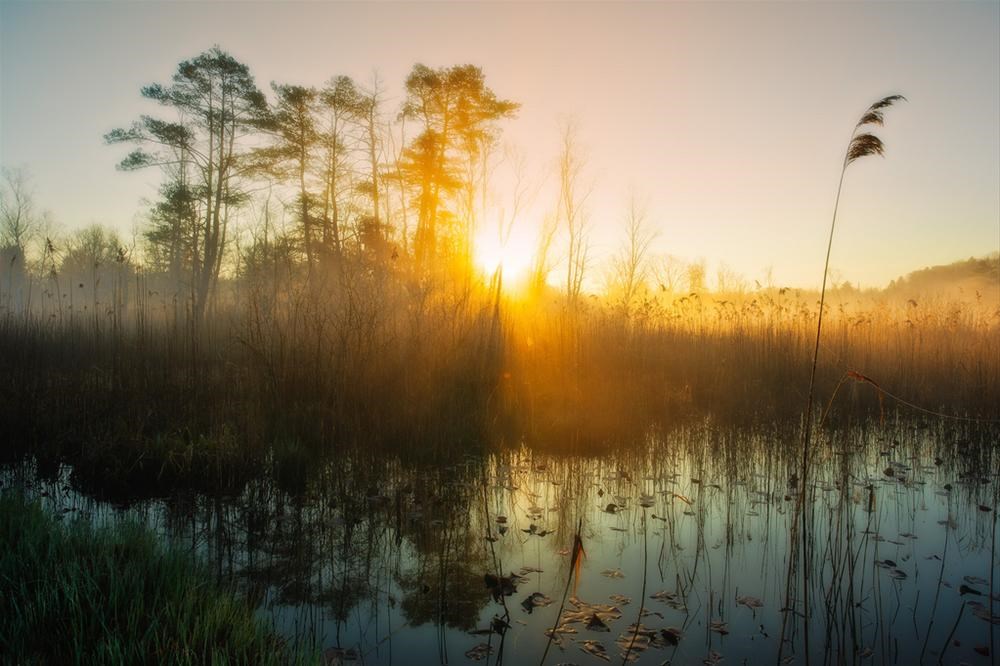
<point>18,218</point>
<point>459,115</point>
<point>216,105</point>
<point>293,122</point>
<point>631,266</point>
<point>173,229</point>
<point>18,224</point>
<point>373,229</point>
<point>571,211</point>
<point>339,102</point>
<point>668,271</point>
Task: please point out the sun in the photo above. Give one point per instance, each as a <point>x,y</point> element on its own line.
<point>514,257</point>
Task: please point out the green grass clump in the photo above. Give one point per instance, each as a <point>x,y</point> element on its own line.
<point>75,594</point>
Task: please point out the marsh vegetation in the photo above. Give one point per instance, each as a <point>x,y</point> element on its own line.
<point>309,383</point>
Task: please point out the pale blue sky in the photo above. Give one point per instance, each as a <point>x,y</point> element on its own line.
<point>730,118</point>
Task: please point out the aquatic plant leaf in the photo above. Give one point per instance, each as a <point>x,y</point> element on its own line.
<point>982,612</point>
<point>479,652</point>
<point>595,623</point>
<point>672,635</point>
<point>634,641</point>
<point>336,656</point>
<point>719,627</point>
<point>535,600</point>
<point>613,573</point>
<point>750,602</point>
<point>501,586</point>
<point>595,648</point>
<point>686,500</point>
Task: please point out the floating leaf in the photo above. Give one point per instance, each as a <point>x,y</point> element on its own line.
<point>479,652</point>
<point>982,612</point>
<point>672,635</point>
<point>634,640</point>
<point>535,600</point>
<point>596,649</point>
<point>750,602</point>
<point>595,623</point>
<point>501,586</point>
<point>719,627</point>
<point>336,656</point>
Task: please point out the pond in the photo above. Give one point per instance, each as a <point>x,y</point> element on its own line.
<point>672,550</point>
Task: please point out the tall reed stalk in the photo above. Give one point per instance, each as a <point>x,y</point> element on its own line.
<point>862,144</point>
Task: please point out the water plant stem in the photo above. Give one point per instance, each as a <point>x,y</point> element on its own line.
<point>577,552</point>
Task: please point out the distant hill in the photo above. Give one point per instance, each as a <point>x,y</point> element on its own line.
<point>961,278</point>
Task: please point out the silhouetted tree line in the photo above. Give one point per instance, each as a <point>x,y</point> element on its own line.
<point>360,190</point>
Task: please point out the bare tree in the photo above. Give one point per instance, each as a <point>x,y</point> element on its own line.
<point>668,272</point>
<point>728,281</point>
<point>522,194</point>
<point>571,211</point>
<point>18,218</point>
<point>630,267</point>
<point>543,263</point>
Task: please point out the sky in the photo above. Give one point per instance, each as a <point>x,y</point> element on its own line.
<point>728,120</point>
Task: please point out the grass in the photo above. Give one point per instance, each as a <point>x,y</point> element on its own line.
<point>140,403</point>
<point>76,594</point>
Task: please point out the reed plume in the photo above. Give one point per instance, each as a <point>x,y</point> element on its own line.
<point>862,144</point>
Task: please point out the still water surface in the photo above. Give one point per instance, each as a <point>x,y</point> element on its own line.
<point>412,560</point>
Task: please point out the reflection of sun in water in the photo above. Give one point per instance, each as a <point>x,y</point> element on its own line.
<point>514,256</point>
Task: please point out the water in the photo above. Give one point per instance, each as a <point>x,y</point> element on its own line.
<point>383,559</point>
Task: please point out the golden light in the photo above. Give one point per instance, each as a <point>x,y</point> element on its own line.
<point>514,256</point>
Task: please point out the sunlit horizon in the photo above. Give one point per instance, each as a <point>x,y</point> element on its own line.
<point>729,119</point>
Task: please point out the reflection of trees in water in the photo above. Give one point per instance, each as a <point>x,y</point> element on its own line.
<point>367,535</point>
<point>445,584</point>
<point>357,525</point>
